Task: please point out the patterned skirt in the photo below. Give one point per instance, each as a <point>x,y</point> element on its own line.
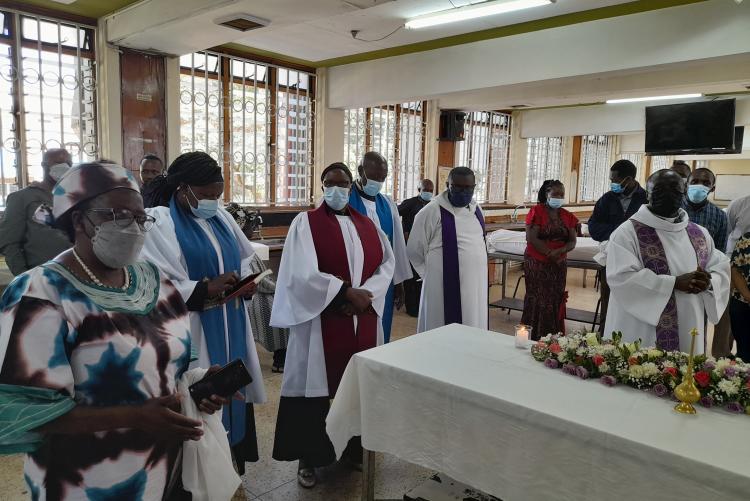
<point>271,338</point>
<point>544,304</point>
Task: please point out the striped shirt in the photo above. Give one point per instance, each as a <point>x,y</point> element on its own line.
<point>710,217</point>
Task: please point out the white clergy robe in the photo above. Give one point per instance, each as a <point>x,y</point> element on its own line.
<point>425,250</point>
<point>638,295</point>
<point>303,292</point>
<point>401,270</point>
<point>163,250</point>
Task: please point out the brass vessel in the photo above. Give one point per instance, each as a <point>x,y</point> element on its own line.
<point>686,392</point>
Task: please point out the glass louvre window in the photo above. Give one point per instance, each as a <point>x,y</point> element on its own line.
<point>661,162</point>
<point>486,150</point>
<point>256,119</point>
<point>543,161</point>
<point>397,133</point>
<point>597,154</point>
<point>636,158</point>
<point>48,96</point>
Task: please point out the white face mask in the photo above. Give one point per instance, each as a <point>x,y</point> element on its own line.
<point>57,171</point>
<point>117,247</point>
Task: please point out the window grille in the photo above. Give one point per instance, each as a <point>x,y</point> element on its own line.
<point>486,150</point>
<point>597,153</point>
<point>543,161</point>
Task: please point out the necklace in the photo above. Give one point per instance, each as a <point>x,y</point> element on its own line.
<point>94,278</point>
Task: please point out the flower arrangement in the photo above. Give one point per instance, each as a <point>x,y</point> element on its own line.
<point>722,383</point>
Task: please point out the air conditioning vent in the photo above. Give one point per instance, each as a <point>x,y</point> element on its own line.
<point>242,22</point>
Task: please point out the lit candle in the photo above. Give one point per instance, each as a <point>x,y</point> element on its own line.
<point>522,336</point>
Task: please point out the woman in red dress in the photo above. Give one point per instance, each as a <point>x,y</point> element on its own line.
<point>550,235</point>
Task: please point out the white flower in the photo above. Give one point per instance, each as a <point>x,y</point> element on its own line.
<point>635,371</point>
<point>562,357</point>
<point>653,353</point>
<point>604,367</point>
<point>729,386</point>
<point>721,365</point>
<point>668,363</point>
<point>650,369</point>
<point>581,351</point>
<point>563,342</point>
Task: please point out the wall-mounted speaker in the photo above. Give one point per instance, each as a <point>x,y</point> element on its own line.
<point>452,125</point>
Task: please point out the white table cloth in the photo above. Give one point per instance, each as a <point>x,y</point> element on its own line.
<point>465,402</point>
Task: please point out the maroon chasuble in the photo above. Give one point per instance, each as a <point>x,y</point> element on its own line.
<point>340,341</point>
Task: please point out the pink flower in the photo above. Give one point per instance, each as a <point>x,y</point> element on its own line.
<point>555,348</point>
<point>598,360</point>
<point>671,371</point>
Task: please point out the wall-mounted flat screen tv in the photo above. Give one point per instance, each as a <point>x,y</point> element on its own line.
<point>701,127</point>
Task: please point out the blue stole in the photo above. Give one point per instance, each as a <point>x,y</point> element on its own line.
<point>451,277</point>
<point>383,209</point>
<point>202,262</point>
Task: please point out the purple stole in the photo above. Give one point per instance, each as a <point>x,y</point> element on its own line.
<point>451,278</point>
<point>655,259</point>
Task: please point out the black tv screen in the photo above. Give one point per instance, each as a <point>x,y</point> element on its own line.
<point>690,127</point>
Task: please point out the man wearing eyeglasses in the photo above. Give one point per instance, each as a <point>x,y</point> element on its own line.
<point>447,248</point>
<point>25,239</point>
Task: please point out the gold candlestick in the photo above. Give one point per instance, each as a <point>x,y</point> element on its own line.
<point>686,392</point>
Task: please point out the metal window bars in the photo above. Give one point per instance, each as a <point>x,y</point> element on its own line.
<point>395,131</point>
<point>486,150</point>
<point>636,158</point>
<point>256,119</point>
<point>597,153</point>
<point>659,162</point>
<point>48,96</point>
<point>543,161</point>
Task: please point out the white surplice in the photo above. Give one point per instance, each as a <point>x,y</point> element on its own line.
<point>425,250</point>
<point>401,270</point>
<point>303,292</point>
<point>638,295</point>
<point>163,250</point>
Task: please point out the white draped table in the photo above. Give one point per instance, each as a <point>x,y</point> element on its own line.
<point>467,403</point>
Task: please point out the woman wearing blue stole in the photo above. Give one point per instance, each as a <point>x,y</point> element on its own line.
<point>200,247</point>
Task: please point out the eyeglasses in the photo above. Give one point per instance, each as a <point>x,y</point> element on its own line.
<point>124,218</point>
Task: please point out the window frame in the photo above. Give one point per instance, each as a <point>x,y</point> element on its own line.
<point>12,36</point>
<point>530,190</point>
<point>407,117</point>
<point>269,83</point>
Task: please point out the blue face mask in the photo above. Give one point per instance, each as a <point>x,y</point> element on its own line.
<point>206,208</point>
<point>425,195</point>
<point>460,198</point>
<point>555,203</point>
<point>616,187</point>
<point>372,188</point>
<point>697,193</point>
<point>336,197</point>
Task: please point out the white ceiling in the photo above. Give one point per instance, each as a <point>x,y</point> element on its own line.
<point>313,30</point>
<point>322,36</point>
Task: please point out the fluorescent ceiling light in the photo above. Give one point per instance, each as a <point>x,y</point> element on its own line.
<point>473,11</point>
<point>654,98</point>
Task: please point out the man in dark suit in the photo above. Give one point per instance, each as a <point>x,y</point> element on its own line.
<point>408,211</point>
<point>614,208</point>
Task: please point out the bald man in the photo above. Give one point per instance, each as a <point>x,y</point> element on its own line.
<point>366,198</point>
<point>664,272</point>
<point>682,168</point>
<point>25,240</point>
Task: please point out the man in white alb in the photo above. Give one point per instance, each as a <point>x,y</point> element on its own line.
<point>447,248</point>
<point>664,272</point>
<point>367,200</point>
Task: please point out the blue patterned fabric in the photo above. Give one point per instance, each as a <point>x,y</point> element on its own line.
<point>64,349</point>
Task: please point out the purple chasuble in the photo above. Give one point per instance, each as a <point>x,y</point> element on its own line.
<point>451,277</point>
<point>655,259</point>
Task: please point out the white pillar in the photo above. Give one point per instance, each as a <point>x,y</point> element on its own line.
<point>329,130</point>
<point>517,161</point>
<point>109,106</point>
<point>172,96</point>
<point>431,145</point>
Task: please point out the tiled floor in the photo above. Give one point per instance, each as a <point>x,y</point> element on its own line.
<point>270,480</point>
